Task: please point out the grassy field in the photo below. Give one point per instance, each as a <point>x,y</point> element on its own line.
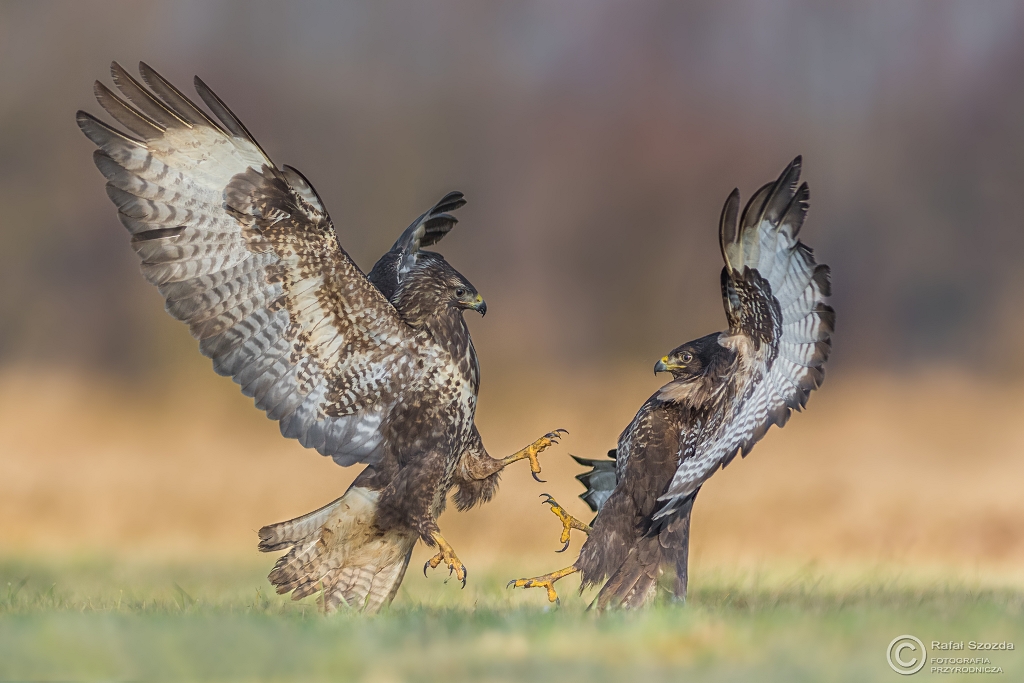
<point>103,620</point>
<point>864,519</point>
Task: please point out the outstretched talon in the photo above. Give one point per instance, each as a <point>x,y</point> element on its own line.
<point>536,448</point>
<point>568,521</point>
<point>546,581</point>
<point>446,555</point>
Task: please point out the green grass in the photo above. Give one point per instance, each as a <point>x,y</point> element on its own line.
<point>101,620</point>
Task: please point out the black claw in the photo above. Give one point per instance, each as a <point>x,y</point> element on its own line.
<point>451,568</point>
<point>564,431</point>
<point>536,478</point>
<point>465,575</point>
<point>564,548</point>
<point>549,500</point>
<point>425,565</point>
<point>510,584</point>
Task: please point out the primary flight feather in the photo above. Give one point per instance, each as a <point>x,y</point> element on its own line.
<point>728,389</point>
<point>377,370</point>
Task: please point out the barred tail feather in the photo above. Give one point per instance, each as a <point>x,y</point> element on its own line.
<point>296,531</point>
<point>337,553</point>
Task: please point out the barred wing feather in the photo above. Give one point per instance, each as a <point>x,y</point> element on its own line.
<point>779,325</point>
<point>247,256</point>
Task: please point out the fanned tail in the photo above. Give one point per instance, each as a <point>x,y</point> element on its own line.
<point>338,554</point>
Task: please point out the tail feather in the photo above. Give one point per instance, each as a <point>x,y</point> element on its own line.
<point>351,587</point>
<point>386,583</point>
<point>633,584</point>
<point>295,531</point>
<point>337,553</point>
<point>299,571</point>
<point>600,481</point>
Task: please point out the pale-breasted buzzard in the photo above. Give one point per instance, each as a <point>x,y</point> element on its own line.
<point>727,389</point>
<point>379,371</point>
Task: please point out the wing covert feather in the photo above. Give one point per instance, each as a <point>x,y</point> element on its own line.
<point>779,326</point>
<point>245,253</point>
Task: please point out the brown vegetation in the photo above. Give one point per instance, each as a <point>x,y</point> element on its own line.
<point>910,471</point>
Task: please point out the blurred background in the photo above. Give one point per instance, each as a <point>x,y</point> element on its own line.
<point>596,143</point>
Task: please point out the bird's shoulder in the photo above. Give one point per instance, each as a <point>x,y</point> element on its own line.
<point>658,425</point>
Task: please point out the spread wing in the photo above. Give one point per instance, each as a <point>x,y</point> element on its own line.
<point>389,271</point>
<point>779,326</point>
<point>246,255</point>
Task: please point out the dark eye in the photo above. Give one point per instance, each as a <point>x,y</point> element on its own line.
<point>687,357</point>
<point>460,292</point>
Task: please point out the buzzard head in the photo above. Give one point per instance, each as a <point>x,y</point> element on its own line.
<point>432,288</point>
<point>693,358</point>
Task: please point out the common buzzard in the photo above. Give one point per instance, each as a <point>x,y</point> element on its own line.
<point>727,389</point>
<point>379,370</point>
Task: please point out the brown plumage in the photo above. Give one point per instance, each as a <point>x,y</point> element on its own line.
<point>626,544</point>
<point>379,370</point>
<point>727,389</point>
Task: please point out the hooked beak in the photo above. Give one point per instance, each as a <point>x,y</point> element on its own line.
<point>478,304</point>
<point>665,365</point>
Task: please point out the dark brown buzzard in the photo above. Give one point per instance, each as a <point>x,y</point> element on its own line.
<point>378,370</point>
<point>727,389</point>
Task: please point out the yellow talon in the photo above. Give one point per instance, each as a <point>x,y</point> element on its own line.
<point>568,521</point>
<point>534,449</point>
<point>546,581</point>
<point>446,554</point>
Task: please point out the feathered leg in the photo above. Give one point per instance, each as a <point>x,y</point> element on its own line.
<point>477,474</point>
